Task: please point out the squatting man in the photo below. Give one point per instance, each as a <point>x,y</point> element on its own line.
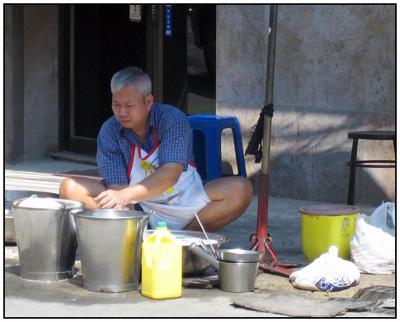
<point>144,155</point>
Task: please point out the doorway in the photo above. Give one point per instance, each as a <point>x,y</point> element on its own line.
<point>101,39</point>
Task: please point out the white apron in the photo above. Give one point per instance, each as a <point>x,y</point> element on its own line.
<point>178,204</point>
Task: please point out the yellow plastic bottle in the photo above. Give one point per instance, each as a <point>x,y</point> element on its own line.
<point>161,264</point>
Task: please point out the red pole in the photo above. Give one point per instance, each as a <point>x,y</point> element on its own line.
<point>261,241</point>
<point>262,213</point>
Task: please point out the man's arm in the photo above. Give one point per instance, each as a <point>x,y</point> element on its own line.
<point>149,188</point>
<point>155,184</point>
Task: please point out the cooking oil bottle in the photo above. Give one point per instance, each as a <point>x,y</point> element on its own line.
<point>161,264</point>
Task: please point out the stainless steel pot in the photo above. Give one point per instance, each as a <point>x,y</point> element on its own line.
<point>9,197</point>
<point>234,276</point>
<point>192,264</point>
<point>46,240</point>
<point>109,244</point>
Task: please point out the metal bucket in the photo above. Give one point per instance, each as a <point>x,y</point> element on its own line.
<point>46,240</point>
<point>109,247</point>
<point>9,197</point>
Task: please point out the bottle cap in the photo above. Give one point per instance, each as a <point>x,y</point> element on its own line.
<point>161,224</point>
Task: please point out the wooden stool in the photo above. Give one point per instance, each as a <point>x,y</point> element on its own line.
<point>367,135</point>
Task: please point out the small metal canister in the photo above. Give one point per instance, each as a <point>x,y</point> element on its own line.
<point>237,268</point>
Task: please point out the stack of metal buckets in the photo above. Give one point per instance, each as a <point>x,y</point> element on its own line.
<point>108,244</point>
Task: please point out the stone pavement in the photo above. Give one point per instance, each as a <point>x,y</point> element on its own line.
<point>70,299</point>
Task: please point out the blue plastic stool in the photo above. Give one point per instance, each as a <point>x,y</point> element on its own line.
<point>207,131</point>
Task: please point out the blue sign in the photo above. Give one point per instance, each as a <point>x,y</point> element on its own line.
<point>168,20</point>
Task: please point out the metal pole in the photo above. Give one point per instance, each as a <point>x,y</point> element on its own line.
<point>262,241</point>
<point>273,15</point>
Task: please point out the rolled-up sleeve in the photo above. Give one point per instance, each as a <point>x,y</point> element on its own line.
<point>110,159</point>
<point>176,136</point>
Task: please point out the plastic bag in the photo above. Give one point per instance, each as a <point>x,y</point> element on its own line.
<point>384,217</point>
<point>327,273</point>
<point>42,203</point>
<point>373,244</point>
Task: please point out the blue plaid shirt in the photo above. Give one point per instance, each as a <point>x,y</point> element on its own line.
<point>114,143</point>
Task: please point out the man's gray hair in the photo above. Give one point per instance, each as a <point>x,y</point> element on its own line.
<point>131,76</point>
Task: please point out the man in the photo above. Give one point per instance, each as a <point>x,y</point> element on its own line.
<point>144,156</point>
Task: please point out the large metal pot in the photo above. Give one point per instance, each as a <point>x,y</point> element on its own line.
<point>46,239</point>
<point>192,264</point>
<point>109,244</point>
<point>9,197</point>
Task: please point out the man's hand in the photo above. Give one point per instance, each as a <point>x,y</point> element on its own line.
<point>112,199</point>
<point>150,187</point>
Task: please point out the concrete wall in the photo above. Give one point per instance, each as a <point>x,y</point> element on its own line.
<point>14,83</point>
<point>334,73</point>
<point>31,81</point>
<point>41,80</point>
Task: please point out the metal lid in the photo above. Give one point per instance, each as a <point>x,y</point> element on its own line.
<point>329,210</point>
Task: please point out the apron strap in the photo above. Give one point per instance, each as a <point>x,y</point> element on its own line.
<point>156,144</point>
<point>131,161</point>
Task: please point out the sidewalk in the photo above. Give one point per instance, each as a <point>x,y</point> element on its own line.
<point>70,299</point>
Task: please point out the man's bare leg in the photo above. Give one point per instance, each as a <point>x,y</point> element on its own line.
<point>230,197</point>
<point>81,189</point>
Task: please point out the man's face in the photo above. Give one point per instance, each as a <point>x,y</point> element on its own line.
<point>131,108</point>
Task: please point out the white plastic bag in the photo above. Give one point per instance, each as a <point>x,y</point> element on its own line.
<point>373,244</point>
<point>327,273</point>
<point>45,203</point>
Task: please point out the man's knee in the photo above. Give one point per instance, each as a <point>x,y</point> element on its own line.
<point>67,188</point>
<point>245,190</point>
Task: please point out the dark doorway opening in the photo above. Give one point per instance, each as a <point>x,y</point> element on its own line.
<point>105,41</point>
<point>100,39</point>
